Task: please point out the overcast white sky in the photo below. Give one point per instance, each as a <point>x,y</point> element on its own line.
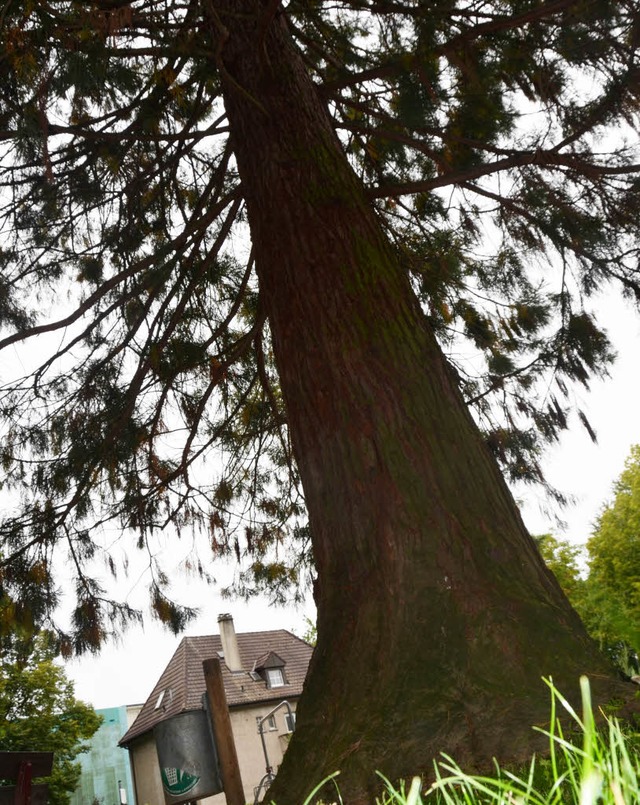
<point>576,465</point>
<point>125,674</point>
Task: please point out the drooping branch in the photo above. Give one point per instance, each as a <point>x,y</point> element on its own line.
<point>542,158</point>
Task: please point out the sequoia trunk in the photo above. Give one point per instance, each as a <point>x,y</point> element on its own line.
<point>436,616</point>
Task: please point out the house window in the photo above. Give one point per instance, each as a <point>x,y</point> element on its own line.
<point>164,699</point>
<point>268,725</point>
<point>275,677</point>
<point>289,722</point>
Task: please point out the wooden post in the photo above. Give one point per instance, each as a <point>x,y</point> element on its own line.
<point>227,756</point>
<point>22,767</point>
<point>23,787</point>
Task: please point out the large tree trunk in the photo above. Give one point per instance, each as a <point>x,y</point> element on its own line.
<point>436,615</point>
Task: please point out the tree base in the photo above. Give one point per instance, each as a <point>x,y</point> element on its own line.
<point>402,739</point>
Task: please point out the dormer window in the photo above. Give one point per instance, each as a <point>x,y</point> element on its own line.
<point>275,677</point>
<point>270,668</point>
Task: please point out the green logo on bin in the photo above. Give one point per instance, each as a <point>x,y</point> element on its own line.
<point>178,781</point>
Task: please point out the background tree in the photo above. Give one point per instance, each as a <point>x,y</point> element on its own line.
<point>310,635</point>
<point>405,172</point>
<point>607,619</point>
<point>614,547</point>
<point>604,590</point>
<point>39,712</point>
<point>613,609</point>
<point>563,558</point>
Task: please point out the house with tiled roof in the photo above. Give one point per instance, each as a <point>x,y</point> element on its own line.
<point>261,671</point>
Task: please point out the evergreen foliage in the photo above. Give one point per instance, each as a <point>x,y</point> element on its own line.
<point>498,143</point>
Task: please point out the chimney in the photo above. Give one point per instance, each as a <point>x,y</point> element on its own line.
<point>229,643</point>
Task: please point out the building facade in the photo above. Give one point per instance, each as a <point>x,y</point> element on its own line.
<point>263,674</point>
<point>106,777</point>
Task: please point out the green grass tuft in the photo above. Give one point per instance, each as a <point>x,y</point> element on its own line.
<point>590,767</point>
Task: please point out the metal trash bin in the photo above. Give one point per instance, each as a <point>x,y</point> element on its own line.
<point>188,757</point>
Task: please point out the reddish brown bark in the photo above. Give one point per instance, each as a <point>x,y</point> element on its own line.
<point>436,616</point>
